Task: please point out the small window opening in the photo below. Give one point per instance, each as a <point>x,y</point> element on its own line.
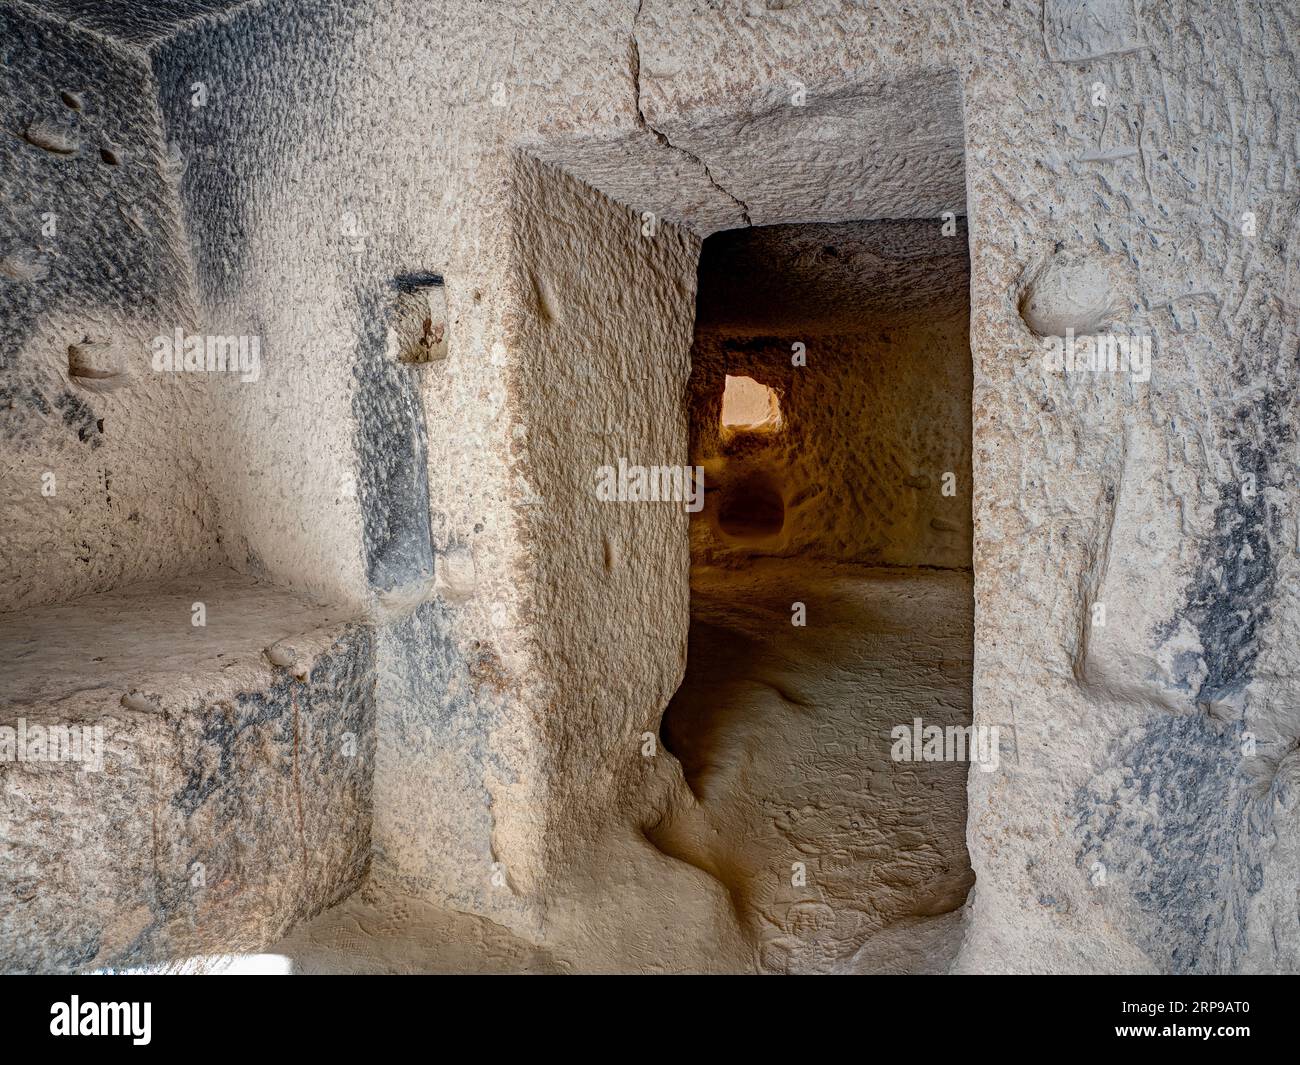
<point>748,406</point>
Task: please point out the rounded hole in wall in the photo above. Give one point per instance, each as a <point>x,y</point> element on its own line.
<point>752,508</point>
<point>97,365</point>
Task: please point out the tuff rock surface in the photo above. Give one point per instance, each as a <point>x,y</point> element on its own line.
<point>407,549</point>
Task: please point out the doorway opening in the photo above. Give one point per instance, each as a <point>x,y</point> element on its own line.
<point>831,591</point>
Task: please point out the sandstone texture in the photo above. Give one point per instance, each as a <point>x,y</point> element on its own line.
<point>232,795</point>
<point>444,708</point>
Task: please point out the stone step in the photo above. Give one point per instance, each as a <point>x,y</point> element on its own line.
<point>170,788</point>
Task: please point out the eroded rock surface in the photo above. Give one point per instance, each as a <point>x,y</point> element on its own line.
<point>502,642</point>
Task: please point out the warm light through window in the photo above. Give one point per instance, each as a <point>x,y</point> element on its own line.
<point>750,406</point>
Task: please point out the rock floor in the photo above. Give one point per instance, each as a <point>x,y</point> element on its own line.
<point>783,733</point>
